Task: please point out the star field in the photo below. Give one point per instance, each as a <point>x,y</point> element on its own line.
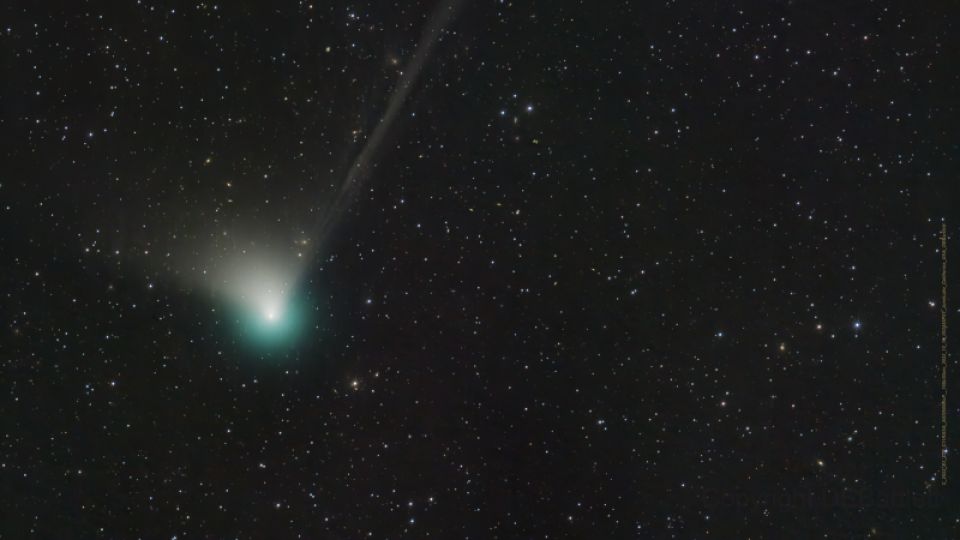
<point>477,270</point>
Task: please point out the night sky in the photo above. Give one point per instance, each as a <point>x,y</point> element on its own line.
<point>469,269</point>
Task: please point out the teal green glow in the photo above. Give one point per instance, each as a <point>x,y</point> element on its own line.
<point>276,327</point>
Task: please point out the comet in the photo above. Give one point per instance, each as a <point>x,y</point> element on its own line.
<point>260,283</point>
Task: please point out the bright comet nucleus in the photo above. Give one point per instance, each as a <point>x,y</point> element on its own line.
<point>259,290</point>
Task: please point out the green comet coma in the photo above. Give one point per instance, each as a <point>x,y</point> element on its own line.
<point>274,327</point>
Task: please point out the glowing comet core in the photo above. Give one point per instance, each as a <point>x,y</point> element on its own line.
<point>259,292</point>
